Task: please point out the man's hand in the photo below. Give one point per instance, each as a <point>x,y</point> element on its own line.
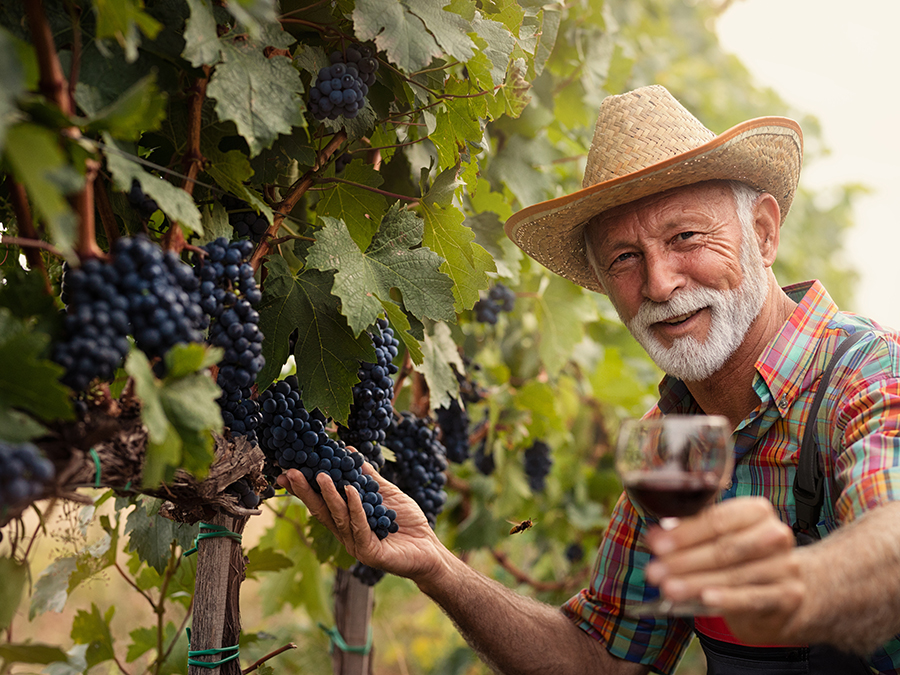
<point>412,551</point>
<point>738,558</point>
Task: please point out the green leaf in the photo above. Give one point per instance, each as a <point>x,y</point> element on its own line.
<point>28,382</point>
<point>465,262</point>
<point>92,629</point>
<point>14,84</point>
<point>201,40</point>
<point>14,575</point>
<point>262,96</point>
<point>143,640</point>
<point>140,109</point>
<point>395,259</point>
<point>152,535</point>
<point>31,653</point>
<point>497,44</point>
<point>441,353</point>
<point>562,310</point>
<point>187,359</point>
<point>397,31</point>
<point>360,209</point>
<point>121,20</point>
<point>215,224</point>
<point>327,349</point>
<point>449,29</point>
<point>39,164</point>
<point>17,427</point>
<point>266,560</point>
<point>174,202</point>
<point>52,588</point>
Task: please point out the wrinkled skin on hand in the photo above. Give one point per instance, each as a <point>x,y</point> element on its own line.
<point>738,558</point>
<point>410,552</point>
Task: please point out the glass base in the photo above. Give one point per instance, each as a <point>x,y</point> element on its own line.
<point>663,608</point>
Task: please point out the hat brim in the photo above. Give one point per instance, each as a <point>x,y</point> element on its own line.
<point>765,153</point>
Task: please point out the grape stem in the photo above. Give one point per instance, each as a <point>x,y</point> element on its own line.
<point>256,664</point>
<point>27,243</point>
<point>392,195</point>
<point>293,196</point>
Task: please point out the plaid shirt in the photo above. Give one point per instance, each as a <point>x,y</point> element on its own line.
<point>859,436</point>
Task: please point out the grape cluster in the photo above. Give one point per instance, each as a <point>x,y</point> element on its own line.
<point>24,472</point>
<point>574,552</point>
<point>453,421</point>
<point>420,465</point>
<point>293,438</point>
<point>246,495</point>
<point>537,465</point>
<point>371,412</point>
<point>96,326</point>
<point>229,294</point>
<point>499,299</point>
<point>341,88</point>
<point>367,575</point>
<point>142,291</point>
<point>163,296</point>
<point>145,205</point>
<point>246,223</point>
<point>484,462</point>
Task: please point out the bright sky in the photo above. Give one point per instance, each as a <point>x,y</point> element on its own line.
<point>839,61</point>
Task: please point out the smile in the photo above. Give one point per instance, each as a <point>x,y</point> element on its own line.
<point>681,318</point>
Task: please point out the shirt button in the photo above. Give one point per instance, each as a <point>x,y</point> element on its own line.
<point>783,401</point>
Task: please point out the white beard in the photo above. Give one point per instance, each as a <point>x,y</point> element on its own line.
<point>732,312</point>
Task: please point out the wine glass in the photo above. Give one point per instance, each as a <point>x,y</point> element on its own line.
<point>673,466</point>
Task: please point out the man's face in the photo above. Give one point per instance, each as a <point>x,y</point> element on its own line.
<point>682,276</point>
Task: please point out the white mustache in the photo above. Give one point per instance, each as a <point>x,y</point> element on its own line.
<point>687,302</point>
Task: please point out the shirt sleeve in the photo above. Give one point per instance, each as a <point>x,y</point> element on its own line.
<point>867,459</point>
<point>618,580</point>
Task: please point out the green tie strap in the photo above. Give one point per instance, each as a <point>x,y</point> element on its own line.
<point>208,652</point>
<point>211,531</point>
<point>337,640</point>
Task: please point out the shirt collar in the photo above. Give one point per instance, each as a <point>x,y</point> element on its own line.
<point>782,365</point>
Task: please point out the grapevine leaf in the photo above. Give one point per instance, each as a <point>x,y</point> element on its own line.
<point>13,82</point>
<point>151,536</point>
<point>142,641</point>
<point>14,575</point>
<point>395,259</point>
<point>440,352</point>
<point>52,588</point>
<point>400,321</point>
<point>327,351</point>
<point>396,31</point>
<point>17,427</point>
<point>279,314</point>
<point>465,262</point>
<point>215,224</point>
<point>92,629</point>
<point>449,29</point>
<point>140,109</point>
<point>122,20</point>
<point>360,209</point>
<point>254,15</point>
<point>520,166</point>
<point>31,653</point>
<point>458,123</point>
<point>186,359</point>
<point>498,44</point>
<point>562,310</point>
<point>516,90</point>
<point>281,163</point>
<point>230,169</point>
<point>262,96</point>
<point>201,41</point>
<point>266,560</point>
<point>20,363</point>
<point>176,204</point>
<point>38,163</point>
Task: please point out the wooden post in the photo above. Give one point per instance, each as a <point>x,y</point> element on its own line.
<point>217,616</point>
<point>353,602</point>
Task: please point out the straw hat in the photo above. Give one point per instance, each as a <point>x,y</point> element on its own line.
<point>646,142</point>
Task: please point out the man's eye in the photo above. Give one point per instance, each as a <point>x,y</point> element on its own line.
<point>623,257</point>
<point>683,236</point>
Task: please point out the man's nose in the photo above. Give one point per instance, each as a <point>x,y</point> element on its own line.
<point>662,277</point>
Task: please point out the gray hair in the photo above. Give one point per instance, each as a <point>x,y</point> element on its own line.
<point>745,198</point>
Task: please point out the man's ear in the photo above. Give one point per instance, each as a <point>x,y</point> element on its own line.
<point>767,225</point>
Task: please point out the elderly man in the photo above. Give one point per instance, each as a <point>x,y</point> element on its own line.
<point>679,227</point>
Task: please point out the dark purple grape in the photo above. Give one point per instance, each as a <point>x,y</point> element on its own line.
<point>24,472</point>
<point>537,461</point>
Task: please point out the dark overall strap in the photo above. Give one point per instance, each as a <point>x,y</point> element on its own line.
<point>809,479</point>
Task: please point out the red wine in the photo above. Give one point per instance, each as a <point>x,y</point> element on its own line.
<point>673,495</point>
